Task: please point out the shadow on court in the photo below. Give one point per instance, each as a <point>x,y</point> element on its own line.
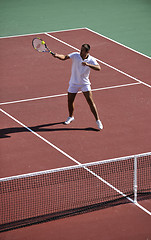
<point>6,132</point>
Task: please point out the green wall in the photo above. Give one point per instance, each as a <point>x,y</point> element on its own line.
<point>126,21</point>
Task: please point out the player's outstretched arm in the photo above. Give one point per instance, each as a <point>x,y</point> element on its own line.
<point>61,56</point>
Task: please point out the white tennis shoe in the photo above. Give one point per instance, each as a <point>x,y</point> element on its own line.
<point>69,120</point>
<point>99,124</point>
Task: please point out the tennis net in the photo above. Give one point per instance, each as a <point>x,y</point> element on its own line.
<point>41,196</point>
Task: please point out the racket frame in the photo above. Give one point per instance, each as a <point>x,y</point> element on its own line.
<point>47,49</point>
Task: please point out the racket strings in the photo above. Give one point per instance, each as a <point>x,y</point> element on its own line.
<point>38,45</point>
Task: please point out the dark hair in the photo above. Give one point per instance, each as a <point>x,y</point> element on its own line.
<point>86,46</point>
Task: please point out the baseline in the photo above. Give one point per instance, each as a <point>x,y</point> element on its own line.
<point>31,34</point>
<point>74,29</point>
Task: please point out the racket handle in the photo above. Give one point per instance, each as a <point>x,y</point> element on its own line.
<point>52,53</point>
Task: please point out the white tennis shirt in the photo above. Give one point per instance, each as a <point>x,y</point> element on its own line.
<point>79,73</point>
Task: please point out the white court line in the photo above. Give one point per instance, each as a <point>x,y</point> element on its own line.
<point>31,34</point>
<point>33,99</point>
<point>118,43</point>
<point>116,86</point>
<point>73,29</point>
<point>43,139</point>
<point>108,65</point>
<point>65,94</point>
<point>74,160</point>
<point>139,81</point>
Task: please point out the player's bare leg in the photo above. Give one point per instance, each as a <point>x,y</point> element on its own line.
<point>71,97</point>
<point>88,96</point>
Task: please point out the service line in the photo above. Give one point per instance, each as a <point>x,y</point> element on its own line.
<point>65,94</point>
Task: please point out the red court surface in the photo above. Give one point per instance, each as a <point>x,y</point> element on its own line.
<point>122,93</point>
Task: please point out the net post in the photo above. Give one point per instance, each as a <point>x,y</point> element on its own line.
<point>135,179</point>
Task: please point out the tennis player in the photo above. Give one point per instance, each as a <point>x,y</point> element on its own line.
<point>81,64</point>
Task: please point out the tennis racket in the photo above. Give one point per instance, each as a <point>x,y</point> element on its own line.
<point>40,45</point>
